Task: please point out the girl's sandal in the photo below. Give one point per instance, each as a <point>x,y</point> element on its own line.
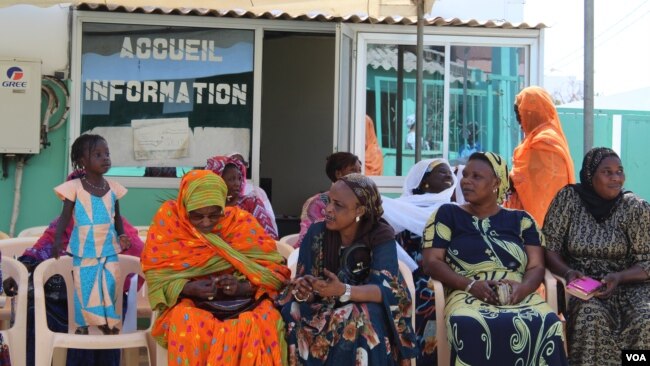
<point>81,330</point>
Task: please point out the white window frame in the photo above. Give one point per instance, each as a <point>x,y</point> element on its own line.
<point>258,25</point>
<point>529,39</point>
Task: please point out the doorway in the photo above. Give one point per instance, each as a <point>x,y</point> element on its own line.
<point>297,120</point>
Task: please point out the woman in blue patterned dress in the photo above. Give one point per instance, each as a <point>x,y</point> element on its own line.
<point>475,248</point>
<point>335,315</point>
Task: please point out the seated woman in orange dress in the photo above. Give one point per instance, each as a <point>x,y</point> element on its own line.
<point>198,249</point>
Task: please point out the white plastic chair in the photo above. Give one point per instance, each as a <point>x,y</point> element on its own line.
<point>16,335</point>
<point>14,247</point>
<point>142,230</point>
<point>160,354</point>
<point>408,278</point>
<point>291,239</point>
<point>47,341</point>
<point>444,351</point>
<point>36,231</point>
<point>284,249</point>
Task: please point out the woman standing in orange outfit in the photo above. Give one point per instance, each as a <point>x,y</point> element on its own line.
<point>198,249</point>
<point>542,163</point>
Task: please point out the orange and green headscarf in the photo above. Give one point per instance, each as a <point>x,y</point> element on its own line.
<point>176,252</point>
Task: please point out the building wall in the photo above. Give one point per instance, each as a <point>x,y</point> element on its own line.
<point>508,10</point>
<point>627,132</point>
<point>38,33</point>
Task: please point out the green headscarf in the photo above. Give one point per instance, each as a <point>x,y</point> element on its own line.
<point>208,190</point>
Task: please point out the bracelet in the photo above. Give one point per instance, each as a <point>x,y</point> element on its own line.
<point>121,235</point>
<point>469,287</point>
<point>295,296</point>
<point>567,272</point>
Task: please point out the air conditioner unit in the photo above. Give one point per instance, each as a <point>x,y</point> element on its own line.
<point>20,106</point>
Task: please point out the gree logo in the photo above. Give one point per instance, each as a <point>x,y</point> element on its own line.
<point>15,73</point>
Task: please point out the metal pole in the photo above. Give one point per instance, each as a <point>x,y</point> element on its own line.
<point>589,76</point>
<point>399,111</point>
<point>419,81</point>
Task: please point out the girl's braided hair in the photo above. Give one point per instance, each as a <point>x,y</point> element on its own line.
<point>83,143</point>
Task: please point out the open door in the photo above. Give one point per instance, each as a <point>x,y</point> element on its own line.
<point>343,88</point>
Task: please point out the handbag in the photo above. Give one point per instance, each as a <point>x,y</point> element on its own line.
<point>228,308</point>
<point>355,264</point>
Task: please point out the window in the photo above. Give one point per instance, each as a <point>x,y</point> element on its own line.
<point>166,98</point>
<point>485,81</point>
<point>469,90</point>
<point>395,128</point>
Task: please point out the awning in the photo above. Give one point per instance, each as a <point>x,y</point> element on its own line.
<point>348,11</point>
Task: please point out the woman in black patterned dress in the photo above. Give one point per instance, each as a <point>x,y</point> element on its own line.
<point>597,229</point>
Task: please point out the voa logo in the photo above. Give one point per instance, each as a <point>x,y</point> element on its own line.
<point>15,75</point>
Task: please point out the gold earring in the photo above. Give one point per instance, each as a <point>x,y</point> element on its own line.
<point>495,190</point>
<point>357,219</point>
<point>426,185</point>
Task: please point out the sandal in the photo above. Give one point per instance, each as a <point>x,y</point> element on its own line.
<point>81,330</point>
<point>105,329</point>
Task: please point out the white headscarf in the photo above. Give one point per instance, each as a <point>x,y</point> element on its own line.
<point>412,211</point>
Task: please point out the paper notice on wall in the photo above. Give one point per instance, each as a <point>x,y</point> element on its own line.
<point>162,138</point>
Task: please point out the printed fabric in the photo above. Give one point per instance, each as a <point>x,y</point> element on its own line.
<point>326,332</point>
<point>528,333</point>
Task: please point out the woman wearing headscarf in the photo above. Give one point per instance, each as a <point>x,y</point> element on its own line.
<point>251,189</point>
<point>199,249</point>
<point>491,260</point>
<point>597,229</point>
<point>348,304</point>
<point>233,172</point>
<point>542,163</point>
<point>429,184</point>
<point>374,158</point>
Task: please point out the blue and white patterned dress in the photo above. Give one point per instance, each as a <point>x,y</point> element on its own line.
<point>94,246</point>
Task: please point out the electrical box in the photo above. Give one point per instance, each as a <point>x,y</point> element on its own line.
<point>20,106</point>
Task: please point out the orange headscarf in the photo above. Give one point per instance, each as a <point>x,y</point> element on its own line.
<point>542,163</point>
<point>175,251</point>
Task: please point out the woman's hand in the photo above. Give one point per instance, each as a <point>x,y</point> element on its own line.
<point>227,283</point>
<point>482,290</point>
<point>302,288</point>
<point>517,292</point>
<point>125,242</point>
<point>202,289</point>
<point>332,286</point>
<point>610,282</point>
<point>572,274</point>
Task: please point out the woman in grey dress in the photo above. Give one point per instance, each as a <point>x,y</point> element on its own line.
<point>597,229</point>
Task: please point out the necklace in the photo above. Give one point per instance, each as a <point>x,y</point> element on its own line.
<point>102,188</point>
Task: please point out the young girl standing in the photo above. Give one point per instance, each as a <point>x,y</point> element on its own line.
<point>97,237</point>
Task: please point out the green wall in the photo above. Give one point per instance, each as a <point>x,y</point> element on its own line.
<point>42,172</point>
<point>635,134</point>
